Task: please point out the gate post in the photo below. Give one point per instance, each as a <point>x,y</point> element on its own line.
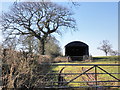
<point>96,75</point>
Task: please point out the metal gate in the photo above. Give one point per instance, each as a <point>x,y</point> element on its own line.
<point>90,79</point>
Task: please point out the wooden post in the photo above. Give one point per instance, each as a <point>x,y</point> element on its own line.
<point>96,75</point>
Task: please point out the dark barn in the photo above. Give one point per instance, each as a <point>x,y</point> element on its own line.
<point>76,49</point>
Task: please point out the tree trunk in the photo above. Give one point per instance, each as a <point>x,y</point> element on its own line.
<point>42,47</point>
<point>106,53</point>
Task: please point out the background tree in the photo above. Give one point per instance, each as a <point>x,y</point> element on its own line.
<point>37,19</point>
<point>105,47</point>
<point>113,52</point>
<point>10,43</point>
<point>31,45</point>
<point>27,43</point>
<point>52,47</point>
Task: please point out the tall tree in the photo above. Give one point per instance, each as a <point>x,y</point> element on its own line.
<point>37,19</point>
<point>105,47</point>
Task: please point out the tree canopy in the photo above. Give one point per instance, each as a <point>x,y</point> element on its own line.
<point>37,19</point>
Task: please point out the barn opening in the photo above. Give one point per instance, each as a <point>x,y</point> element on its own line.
<point>76,50</point>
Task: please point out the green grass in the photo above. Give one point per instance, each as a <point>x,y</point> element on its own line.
<point>100,77</point>
<point>106,58</point>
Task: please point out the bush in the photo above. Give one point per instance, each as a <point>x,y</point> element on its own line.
<point>21,70</point>
<point>61,59</point>
<point>44,59</point>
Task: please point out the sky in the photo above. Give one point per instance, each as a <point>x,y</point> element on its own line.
<point>96,21</point>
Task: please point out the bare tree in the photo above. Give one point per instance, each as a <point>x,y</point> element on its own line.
<point>37,19</point>
<point>105,47</point>
<point>28,43</point>
<point>114,52</point>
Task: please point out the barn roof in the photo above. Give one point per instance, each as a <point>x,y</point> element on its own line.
<point>76,43</point>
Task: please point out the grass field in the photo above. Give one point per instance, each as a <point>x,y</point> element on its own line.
<point>100,77</point>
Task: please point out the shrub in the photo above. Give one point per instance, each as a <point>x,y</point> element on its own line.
<point>21,70</point>
<point>61,59</point>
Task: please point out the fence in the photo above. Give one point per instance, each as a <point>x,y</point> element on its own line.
<point>90,79</point>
